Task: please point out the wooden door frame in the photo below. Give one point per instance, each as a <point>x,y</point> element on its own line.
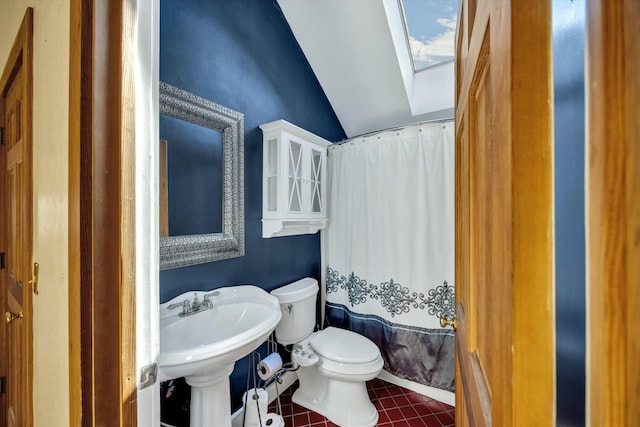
<point>102,339</point>
<point>613,213</point>
<point>21,56</point>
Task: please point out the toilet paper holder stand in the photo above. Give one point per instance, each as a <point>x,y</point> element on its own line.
<point>253,372</point>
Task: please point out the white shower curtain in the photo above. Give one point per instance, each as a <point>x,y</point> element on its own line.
<point>389,248</point>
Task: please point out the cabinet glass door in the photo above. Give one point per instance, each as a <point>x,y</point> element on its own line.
<point>272,175</point>
<point>295,176</point>
<point>317,202</point>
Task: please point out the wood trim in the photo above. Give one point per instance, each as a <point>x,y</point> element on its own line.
<point>474,50</point>
<point>479,412</point>
<point>105,198</point>
<point>127,257</point>
<point>462,418</point>
<point>164,190</point>
<point>613,213</point>
<point>102,215</point>
<point>80,212</point>
<point>632,207</point>
<point>461,46</point>
<point>3,281</point>
<point>533,214</point>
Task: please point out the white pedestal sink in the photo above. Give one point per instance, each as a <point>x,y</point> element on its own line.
<point>203,347</point>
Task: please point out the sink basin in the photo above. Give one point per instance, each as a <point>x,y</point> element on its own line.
<point>241,319</point>
<point>203,347</point>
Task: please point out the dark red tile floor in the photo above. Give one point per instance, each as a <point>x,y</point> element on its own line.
<point>397,407</point>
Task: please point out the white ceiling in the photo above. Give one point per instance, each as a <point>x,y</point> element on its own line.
<point>358,52</point>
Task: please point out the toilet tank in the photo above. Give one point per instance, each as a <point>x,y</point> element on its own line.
<point>298,306</point>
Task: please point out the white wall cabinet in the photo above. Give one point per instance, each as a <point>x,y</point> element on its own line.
<point>294,180</point>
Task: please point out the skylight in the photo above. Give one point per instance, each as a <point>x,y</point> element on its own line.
<point>430,27</point>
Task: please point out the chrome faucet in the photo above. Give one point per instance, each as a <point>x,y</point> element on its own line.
<point>196,306</point>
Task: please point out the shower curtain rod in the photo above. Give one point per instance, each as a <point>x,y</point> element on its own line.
<point>344,141</point>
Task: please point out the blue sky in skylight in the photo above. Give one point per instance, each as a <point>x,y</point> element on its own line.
<point>432,28</point>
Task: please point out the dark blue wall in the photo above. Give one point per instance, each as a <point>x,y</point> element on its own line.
<point>569,122</point>
<point>242,54</point>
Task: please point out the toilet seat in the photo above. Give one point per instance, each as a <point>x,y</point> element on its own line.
<point>346,353</point>
<point>341,345</point>
<point>351,370</point>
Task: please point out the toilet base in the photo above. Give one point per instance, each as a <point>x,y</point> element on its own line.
<point>346,404</point>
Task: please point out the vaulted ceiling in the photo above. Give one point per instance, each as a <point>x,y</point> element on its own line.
<point>358,51</point>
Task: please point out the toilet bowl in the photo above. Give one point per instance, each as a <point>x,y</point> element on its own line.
<point>334,363</point>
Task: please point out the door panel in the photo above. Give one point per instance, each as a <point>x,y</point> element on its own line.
<point>16,333</point>
<point>504,216</point>
<point>15,87</point>
<point>613,212</point>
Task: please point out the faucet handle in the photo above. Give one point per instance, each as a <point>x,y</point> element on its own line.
<point>175,305</point>
<point>186,306</point>
<point>207,301</point>
<point>211,294</point>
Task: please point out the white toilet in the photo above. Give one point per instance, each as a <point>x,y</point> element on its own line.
<point>334,363</point>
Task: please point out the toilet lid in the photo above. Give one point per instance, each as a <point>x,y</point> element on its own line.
<point>344,346</point>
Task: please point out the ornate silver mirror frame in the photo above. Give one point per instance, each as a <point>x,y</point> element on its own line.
<point>181,251</point>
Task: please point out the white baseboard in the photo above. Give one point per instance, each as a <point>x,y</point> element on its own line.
<point>435,393</point>
<point>288,378</point>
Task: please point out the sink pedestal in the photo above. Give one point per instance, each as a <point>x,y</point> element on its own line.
<point>210,401</point>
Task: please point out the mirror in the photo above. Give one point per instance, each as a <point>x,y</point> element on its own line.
<point>201,183</point>
<point>191,171</point>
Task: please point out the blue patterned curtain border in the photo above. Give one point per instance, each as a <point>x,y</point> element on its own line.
<point>394,298</point>
<point>422,355</point>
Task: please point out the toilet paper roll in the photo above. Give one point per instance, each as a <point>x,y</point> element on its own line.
<point>254,401</point>
<point>272,420</point>
<point>269,366</point>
